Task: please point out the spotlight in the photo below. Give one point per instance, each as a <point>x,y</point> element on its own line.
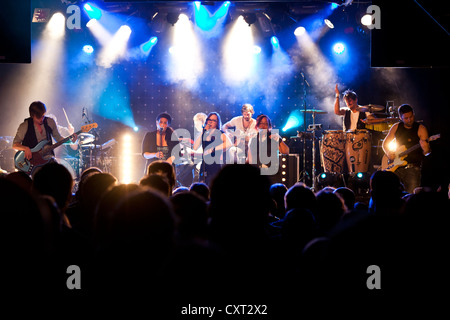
<point>366,20</point>
<point>392,146</point>
<point>250,18</point>
<point>359,181</point>
<point>56,26</point>
<point>256,49</point>
<point>329,23</point>
<point>299,31</point>
<point>92,11</point>
<point>136,129</point>
<point>88,49</point>
<point>295,120</point>
<point>147,46</point>
<point>339,48</point>
<point>172,18</point>
<point>275,42</point>
<point>327,179</point>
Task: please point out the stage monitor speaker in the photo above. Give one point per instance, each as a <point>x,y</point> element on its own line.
<point>410,34</point>
<point>288,173</point>
<point>15,31</point>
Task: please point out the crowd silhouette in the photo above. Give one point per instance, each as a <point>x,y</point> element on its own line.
<point>242,240</point>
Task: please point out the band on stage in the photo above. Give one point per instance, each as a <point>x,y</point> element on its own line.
<point>373,137</point>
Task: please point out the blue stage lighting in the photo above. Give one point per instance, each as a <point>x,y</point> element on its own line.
<point>339,47</point>
<point>92,11</point>
<point>207,21</point>
<point>295,120</point>
<point>147,46</point>
<point>334,6</point>
<point>360,175</point>
<point>275,42</point>
<point>88,49</point>
<point>136,129</point>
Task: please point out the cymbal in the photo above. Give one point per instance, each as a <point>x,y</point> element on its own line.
<point>314,111</point>
<point>371,108</point>
<point>86,138</point>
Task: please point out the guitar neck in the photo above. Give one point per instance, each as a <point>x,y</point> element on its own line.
<point>56,145</point>
<point>404,153</point>
<point>432,138</point>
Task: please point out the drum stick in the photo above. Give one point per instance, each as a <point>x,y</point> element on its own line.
<point>67,118</point>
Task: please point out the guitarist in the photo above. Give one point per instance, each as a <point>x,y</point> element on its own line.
<point>408,133</point>
<point>36,128</point>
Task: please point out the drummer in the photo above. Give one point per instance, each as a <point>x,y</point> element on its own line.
<point>356,117</point>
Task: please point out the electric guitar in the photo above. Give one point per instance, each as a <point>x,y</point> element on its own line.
<point>400,155</point>
<point>41,153</point>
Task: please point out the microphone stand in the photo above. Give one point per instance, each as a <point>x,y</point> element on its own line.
<point>97,138</point>
<point>304,172</point>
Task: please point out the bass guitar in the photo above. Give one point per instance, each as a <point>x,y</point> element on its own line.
<point>42,152</point>
<point>400,155</point>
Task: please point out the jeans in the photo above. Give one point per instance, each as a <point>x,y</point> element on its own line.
<point>410,177</point>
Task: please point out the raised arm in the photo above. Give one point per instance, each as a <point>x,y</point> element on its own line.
<point>337,108</point>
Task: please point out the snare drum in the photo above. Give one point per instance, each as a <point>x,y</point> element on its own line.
<point>332,151</point>
<point>358,150</point>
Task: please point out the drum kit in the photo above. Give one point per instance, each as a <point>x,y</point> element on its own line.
<point>346,151</point>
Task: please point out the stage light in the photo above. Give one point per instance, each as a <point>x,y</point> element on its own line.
<point>125,159</point>
<point>275,42</point>
<point>239,62</point>
<point>328,179</point>
<point>115,48</point>
<point>359,182</point>
<point>136,129</point>
<point>338,48</point>
<point>334,6</point>
<point>207,21</point>
<point>250,18</point>
<point>295,120</point>
<point>147,46</point>
<point>256,49</point>
<point>56,26</point>
<point>392,146</point>
<point>366,20</point>
<point>88,49</point>
<point>92,11</point>
<point>299,31</point>
<point>329,23</point>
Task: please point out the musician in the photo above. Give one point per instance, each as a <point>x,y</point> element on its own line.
<point>35,129</point>
<point>214,143</point>
<point>265,135</point>
<point>240,129</point>
<point>408,133</point>
<point>354,117</point>
<point>68,149</point>
<point>158,144</point>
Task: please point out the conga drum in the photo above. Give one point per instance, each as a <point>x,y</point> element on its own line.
<point>358,150</point>
<point>332,151</point>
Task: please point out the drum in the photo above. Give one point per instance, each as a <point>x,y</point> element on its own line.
<point>332,151</point>
<point>71,164</point>
<point>358,150</point>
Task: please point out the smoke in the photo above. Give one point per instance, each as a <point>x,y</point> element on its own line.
<point>320,75</point>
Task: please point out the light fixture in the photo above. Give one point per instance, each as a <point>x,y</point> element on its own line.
<point>328,23</point>
<point>250,18</point>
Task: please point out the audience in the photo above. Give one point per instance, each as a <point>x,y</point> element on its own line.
<point>130,238</point>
